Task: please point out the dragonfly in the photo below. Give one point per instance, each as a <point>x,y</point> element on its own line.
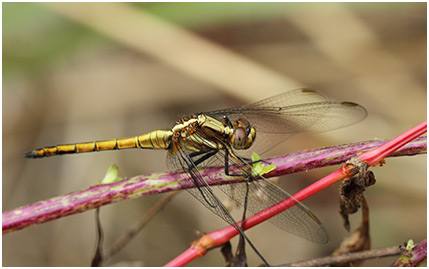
<point>226,137</point>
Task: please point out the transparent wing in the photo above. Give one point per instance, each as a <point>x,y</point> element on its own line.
<point>300,110</point>
<point>290,98</point>
<point>297,220</point>
<point>281,116</point>
<point>179,158</point>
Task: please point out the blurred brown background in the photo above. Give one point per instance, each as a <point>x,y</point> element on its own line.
<point>83,72</point>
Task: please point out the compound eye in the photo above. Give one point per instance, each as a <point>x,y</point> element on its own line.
<point>244,123</point>
<point>240,134</point>
<point>240,138</point>
<point>248,129</point>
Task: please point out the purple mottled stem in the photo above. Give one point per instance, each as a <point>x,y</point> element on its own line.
<point>134,187</point>
<point>310,159</point>
<point>417,256</point>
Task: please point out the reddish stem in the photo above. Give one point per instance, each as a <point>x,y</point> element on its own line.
<point>371,157</point>
<point>374,156</point>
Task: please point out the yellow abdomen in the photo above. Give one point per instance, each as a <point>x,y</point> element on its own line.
<point>159,139</point>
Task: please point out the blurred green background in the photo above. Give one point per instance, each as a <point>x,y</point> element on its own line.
<point>81,72</point>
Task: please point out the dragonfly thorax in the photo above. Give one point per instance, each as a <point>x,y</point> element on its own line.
<point>186,127</point>
<point>215,134</point>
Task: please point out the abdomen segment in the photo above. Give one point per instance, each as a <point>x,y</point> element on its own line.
<point>159,139</point>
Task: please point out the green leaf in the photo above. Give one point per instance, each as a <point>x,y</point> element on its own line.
<point>111,175</point>
<point>410,245</point>
<point>258,168</point>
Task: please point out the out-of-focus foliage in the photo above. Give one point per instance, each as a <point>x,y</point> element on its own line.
<point>34,37</point>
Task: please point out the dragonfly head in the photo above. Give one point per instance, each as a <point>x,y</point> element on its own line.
<point>244,134</point>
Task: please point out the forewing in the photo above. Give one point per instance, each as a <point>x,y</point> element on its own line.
<point>290,98</point>
<point>281,116</point>
<point>295,111</point>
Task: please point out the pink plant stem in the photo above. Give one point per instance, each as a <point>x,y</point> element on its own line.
<point>417,258</point>
<point>129,188</point>
<point>372,157</point>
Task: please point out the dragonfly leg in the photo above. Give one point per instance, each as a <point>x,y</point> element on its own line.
<point>249,161</point>
<point>240,249</point>
<point>196,162</point>
<point>203,158</point>
<point>243,162</point>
